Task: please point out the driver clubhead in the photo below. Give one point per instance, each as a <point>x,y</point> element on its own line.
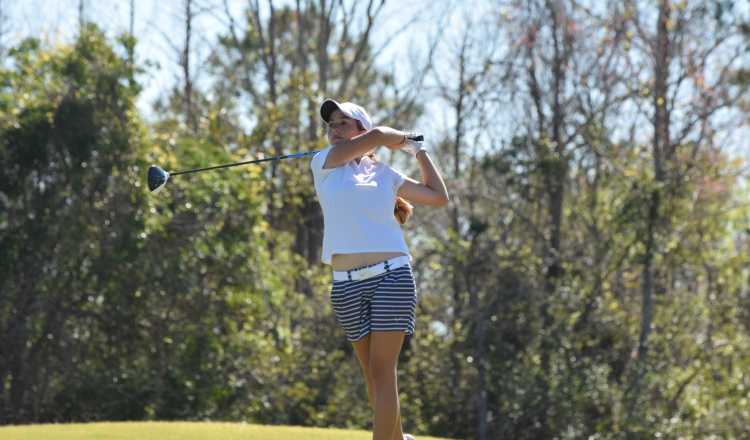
<point>157,178</point>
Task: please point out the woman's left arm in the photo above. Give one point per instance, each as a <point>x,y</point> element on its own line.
<point>432,192</point>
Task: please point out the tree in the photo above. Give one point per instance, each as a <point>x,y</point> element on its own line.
<point>67,128</point>
<point>472,100</point>
<point>684,83</point>
<point>562,210</point>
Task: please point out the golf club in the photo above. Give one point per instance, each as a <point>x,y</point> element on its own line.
<point>157,177</point>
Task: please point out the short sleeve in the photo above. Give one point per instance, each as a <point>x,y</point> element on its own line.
<point>317,163</point>
<point>398,179</point>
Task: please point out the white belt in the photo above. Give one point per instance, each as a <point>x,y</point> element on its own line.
<point>364,273</point>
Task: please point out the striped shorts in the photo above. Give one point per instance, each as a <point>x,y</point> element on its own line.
<point>384,302</point>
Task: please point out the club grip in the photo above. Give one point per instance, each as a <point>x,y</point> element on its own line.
<point>418,138</point>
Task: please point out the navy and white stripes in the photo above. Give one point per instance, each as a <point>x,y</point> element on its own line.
<point>385,302</point>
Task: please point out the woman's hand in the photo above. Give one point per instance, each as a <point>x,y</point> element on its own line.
<point>413,147</point>
<point>404,142</point>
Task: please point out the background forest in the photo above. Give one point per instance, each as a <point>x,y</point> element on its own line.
<point>589,279</point>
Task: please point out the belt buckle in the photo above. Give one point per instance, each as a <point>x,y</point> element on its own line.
<point>365,272</point>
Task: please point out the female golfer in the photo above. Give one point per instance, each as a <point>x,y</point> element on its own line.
<point>373,294</point>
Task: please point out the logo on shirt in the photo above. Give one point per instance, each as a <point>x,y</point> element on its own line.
<point>366,174</point>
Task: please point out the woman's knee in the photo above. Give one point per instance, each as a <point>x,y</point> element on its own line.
<point>382,371</point>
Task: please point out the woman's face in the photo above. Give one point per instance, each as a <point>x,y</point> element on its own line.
<point>341,128</point>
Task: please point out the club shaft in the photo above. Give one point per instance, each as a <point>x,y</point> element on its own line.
<point>418,138</point>
<point>267,159</point>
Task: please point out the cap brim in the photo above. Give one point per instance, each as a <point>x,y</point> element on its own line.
<point>327,108</point>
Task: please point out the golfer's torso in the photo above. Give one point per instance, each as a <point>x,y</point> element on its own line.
<point>358,202</point>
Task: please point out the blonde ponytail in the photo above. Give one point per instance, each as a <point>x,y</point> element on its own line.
<point>402,211</point>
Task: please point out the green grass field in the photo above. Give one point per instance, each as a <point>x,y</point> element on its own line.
<point>178,431</point>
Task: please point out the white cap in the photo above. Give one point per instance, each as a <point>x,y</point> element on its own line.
<point>352,110</point>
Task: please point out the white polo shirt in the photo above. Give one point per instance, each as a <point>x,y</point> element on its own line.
<point>358,202</point>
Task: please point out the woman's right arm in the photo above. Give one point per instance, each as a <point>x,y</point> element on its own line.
<point>358,146</point>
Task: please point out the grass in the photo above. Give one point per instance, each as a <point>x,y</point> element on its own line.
<point>178,431</point>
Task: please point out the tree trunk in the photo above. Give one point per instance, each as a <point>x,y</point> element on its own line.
<point>81,7</point>
<point>131,45</point>
<point>654,222</point>
<point>190,115</point>
<point>480,330</point>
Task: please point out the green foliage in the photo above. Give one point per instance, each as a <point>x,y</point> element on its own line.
<point>69,224</point>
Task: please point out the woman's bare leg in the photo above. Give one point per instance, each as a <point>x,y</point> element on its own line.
<point>384,350</point>
<point>362,348</point>
<point>378,355</point>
